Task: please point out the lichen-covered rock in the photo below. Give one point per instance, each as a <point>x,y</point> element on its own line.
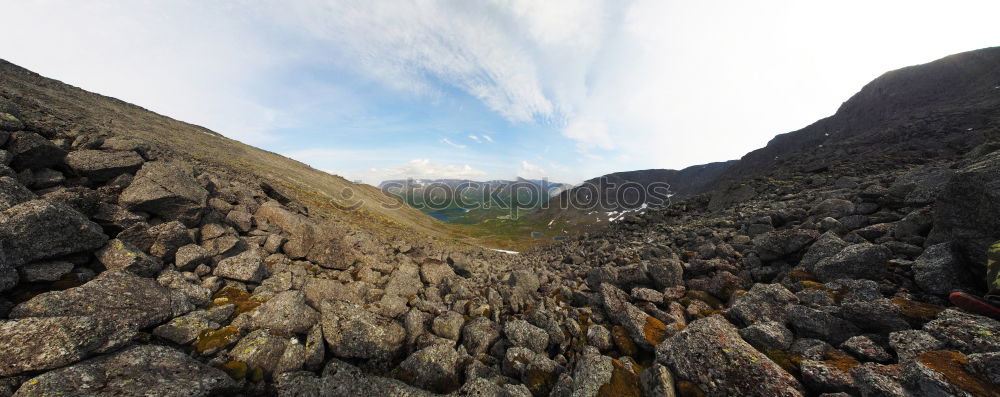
<point>813,323</point>
<point>434,272</point>
<point>45,271</point>
<point>878,315</point>
<point>777,244</point>
<point>521,333</point>
<point>448,325</point>
<point>185,329</point>
<point>102,165</point>
<point>535,370</point>
<point>768,335</point>
<point>262,349</point>
<point>353,332</point>
<point>301,232</point>
<point>190,256</point>
<point>836,208</point>
<point>145,370</point>
<point>858,261</point>
<point>666,273</point>
<point>710,353</point>
<point>965,211</point>
<point>657,381</point>
<point>910,343</point>
<point>168,190</point>
<point>318,290</point>
<point>197,294</point>
<point>13,193</point>
<point>945,373</point>
<point>866,349</point>
<point>286,313</point>
<point>342,379</point>
<point>248,266</point>
<point>646,331</point>
<point>827,245</point>
<point>129,301</point>
<point>118,255</point>
<point>33,151</point>
<point>404,281</point>
<point>598,336</point>
<point>880,380</point>
<point>315,349</point>
<point>42,343</point>
<point>434,368</point>
<point>167,238</point>
<point>37,229</point>
<point>763,302</point>
<point>939,270</point>
<point>479,334</point>
<point>596,375</point>
<point>967,333</point>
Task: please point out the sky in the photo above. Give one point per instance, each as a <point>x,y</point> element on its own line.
<point>564,90</point>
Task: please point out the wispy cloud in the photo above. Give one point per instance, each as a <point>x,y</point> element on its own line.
<point>475,138</point>
<point>452,144</point>
<point>422,169</point>
<point>488,138</point>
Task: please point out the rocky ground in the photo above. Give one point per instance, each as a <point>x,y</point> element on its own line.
<point>127,270</point>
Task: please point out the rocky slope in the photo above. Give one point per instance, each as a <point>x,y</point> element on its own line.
<point>132,270</point>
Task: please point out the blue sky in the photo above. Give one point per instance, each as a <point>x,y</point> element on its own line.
<point>563,89</point>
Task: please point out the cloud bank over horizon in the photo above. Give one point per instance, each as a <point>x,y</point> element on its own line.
<point>558,89</point>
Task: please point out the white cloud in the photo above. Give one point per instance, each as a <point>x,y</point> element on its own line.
<point>452,144</point>
<point>421,169</point>
<point>488,138</point>
<point>589,134</point>
<point>531,171</point>
<point>475,138</point>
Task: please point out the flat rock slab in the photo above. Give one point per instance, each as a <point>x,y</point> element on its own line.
<point>103,165</point>
<point>37,344</point>
<point>130,301</point>
<point>39,229</point>
<point>145,370</point>
<point>710,353</point>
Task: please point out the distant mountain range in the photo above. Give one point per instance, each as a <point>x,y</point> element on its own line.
<point>468,201</point>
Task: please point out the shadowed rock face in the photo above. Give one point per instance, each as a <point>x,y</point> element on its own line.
<point>129,266</point>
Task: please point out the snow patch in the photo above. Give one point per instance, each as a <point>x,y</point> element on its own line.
<point>505,251</point>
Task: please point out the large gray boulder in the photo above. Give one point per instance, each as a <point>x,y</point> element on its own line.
<point>965,211</point>
<point>39,229</point>
<point>967,333</point>
<point>342,379</point>
<point>301,232</point>
<point>827,245</point>
<point>285,313</point>
<point>13,193</point>
<point>101,165</point>
<point>710,353</point>
<point>118,255</point>
<point>434,368</point>
<point>762,303</point>
<point>33,151</point>
<point>131,302</point>
<point>940,270</point>
<point>168,190</point>
<point>858,261</point>
<point>248,266</point>
<point>146,370</point>
<point>777,244</point>
<point>42,343</point>
<point>353,332</point>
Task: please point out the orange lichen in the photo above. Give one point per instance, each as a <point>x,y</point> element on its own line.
<point>703,296</point>
<point>798,275</point>
<point>215,339</point>
<point>654,330</point>
<point>623,340</point>
<point>951,365</point>
<point>623,383</point>
<point>244,301</point>
<point>919,311</point>
<point>788,362</point>
<point>539,382</point>
<point>689,389</point>
<point>840,360</point>
<point>236,369</point>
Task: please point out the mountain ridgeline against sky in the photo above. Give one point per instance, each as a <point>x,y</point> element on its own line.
<point>141,255</point>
